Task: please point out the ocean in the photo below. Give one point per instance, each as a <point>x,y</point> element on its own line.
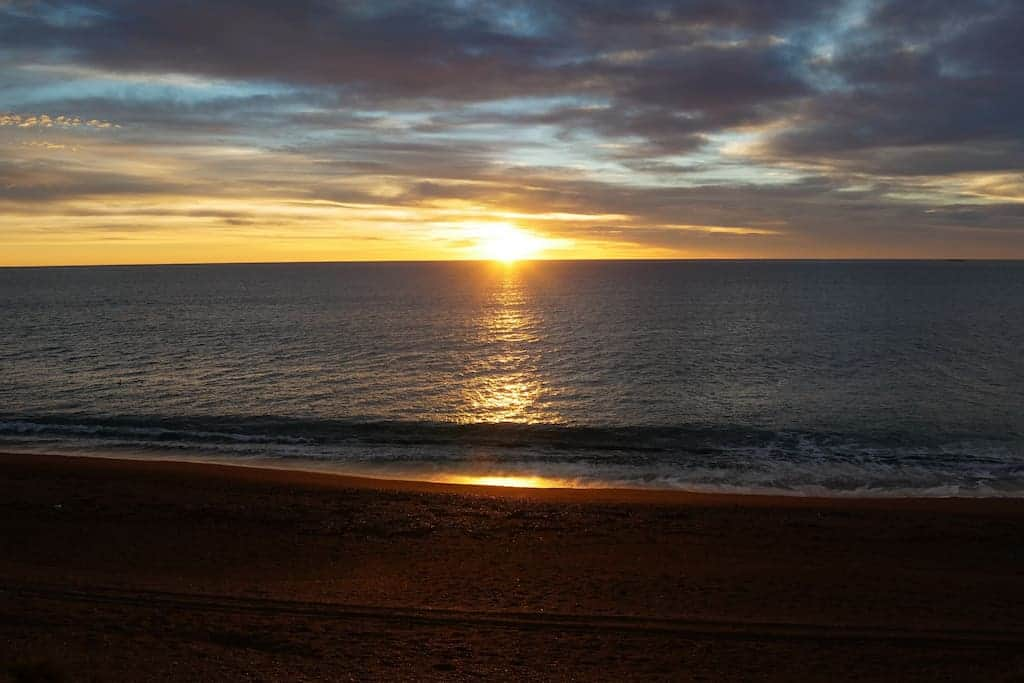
<point>837,378</point>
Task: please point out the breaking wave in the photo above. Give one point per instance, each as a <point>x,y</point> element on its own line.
<point>691,457</point>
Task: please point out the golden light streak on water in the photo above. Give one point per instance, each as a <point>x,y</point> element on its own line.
<point>506,386</point>
<point>513,481</point>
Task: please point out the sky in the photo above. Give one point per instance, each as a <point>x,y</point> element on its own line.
<point>178,131</point>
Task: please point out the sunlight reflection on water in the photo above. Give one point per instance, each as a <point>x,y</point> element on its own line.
<point>506,386</point>
<point>511,481</point>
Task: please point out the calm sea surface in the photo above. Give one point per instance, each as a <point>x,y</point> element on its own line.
<point>806,377</point>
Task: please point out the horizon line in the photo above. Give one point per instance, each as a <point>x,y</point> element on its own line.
<point>853,259</point>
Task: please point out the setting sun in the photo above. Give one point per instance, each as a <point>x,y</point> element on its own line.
<point>506,242</point>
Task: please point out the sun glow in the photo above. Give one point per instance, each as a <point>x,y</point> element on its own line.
<point>506,242</point>
<point>509,481</point>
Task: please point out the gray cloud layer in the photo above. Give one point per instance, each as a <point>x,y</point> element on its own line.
<point>888,124</point>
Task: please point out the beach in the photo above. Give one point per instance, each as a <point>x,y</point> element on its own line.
<point>671,340</point>
<point>152,570</point>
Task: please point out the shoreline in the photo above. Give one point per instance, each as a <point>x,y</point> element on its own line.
<point>132,569</point>
<point>547,492</point>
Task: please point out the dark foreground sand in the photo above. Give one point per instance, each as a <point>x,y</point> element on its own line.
<point>120,570</point>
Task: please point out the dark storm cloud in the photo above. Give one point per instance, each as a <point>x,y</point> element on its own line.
<point>410,49</point>
<point>929,113</point>
<point>939,75</point>
<point>461,52</point>
<point>664,21</point>
<point>716,77</point>
<point>916,73</point>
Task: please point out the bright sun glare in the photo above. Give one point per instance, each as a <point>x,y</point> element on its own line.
<point>506,242</point>
<point>509,481</point>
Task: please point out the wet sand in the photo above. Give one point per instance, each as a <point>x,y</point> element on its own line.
<point>136,570</point>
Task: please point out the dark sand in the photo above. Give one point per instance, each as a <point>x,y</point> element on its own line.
<point>126,570</point>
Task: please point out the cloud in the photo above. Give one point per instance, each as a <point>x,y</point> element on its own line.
<point>797,127</point>
<point>919,80</point>
<point>48,121</point>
